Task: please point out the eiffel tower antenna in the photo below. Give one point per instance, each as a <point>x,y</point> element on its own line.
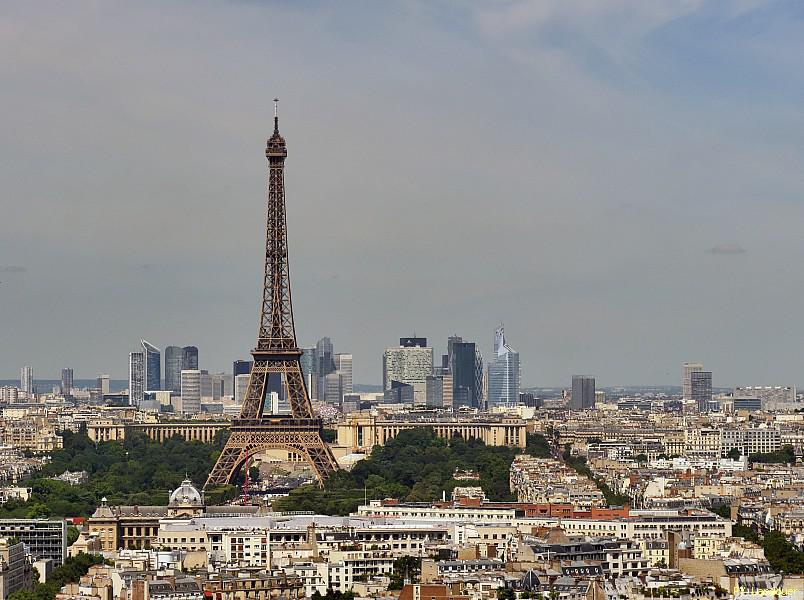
<point>276,355</point>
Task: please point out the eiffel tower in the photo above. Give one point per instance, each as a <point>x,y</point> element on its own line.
<point>276,357</point>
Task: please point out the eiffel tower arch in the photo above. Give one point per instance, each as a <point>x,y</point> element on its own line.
<point>276,356</point>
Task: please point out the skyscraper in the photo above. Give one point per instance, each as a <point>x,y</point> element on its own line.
<point>27,380</point>
<point>701,390</point>
<point>333,390</point>
<point>439,391</point>
<point>687,370</point>
<point>324,364</point>
<point>191,391</point>
<point>411,365</point>
<point>504,373</point>
<point>153,366</point>
<point>136,378</point>
<point>583,392</point>
<point>308,369</point>
<point>102,383</point>
<point>174,363</point>
<point>66,382</point>
<point>189,360</point>
<point>466,366</point>
<point>343,366</point>
<point>240,387</point>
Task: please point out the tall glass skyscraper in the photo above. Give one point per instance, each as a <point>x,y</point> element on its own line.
<point>153,366</point>
<point>701,390</point>
<point>26,380</point>
<point>504,374</point>
<point>173,366</point>
<point>466,366</point>
<point>308,369</point>
<point>189,360</point>
<point>583,392</point>
<point>324,365</point>
<point>136,378</point>
<point>410,363</point>
<point>66,381</point>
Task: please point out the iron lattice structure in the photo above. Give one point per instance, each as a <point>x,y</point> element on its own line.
<point>276,356</point>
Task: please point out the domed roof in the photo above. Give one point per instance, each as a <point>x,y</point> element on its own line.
<point>186,495</point>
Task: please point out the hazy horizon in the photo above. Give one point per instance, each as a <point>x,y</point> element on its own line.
<point>618,182</point>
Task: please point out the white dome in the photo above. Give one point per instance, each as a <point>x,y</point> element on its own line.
<point>185,495</point>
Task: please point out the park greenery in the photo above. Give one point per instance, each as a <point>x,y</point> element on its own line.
<point>137,471</point>
<point>781,554</point>
<point>415,466</point>
<point>140,471</point>
<point>786,454</point>
<point>538,446</point>
<point>71,571</point>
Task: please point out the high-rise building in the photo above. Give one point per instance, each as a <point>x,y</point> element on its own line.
<point>343,366</point>
<point>701,390</point>
<point>410,365</point>
<point>218,383</point>
<point>324,364</point>
<point>504,374</point>
<point>240,387</point>
<point>174,363</point>
<point>102,383</point>
<point>466,366</point>
<point>583,392</point>
<point>191,391</point>
<point>136,378</point>
<point>242,367</point>
<point>205,384</point>
<point>66,382</point>
<point>439,391</point>
<point>153,366</point>
<point>241,370</point>
<point>189,361</point>
<point>687,369</point>
<point>308,369</point>
<point>333,388</point>
<point>399,393</point>
<point>27,380</point>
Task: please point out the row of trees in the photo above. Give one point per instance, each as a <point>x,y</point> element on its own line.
<point>579,464</point>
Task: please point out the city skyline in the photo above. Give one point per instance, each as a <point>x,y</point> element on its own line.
<point>625,171</point>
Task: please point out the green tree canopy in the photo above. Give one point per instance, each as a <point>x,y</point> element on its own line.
<point>415,466</point>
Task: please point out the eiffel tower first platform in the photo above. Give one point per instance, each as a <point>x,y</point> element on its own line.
<point>276,357</point>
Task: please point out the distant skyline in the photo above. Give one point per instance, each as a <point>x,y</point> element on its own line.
<point>618,182</point>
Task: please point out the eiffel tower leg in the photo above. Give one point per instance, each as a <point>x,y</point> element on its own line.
<point>226,465</point>
<point>320,457</point>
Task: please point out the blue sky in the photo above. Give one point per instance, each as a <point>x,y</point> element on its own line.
<point>617,181</point>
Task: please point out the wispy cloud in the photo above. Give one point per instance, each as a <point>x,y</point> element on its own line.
<point>730,248</point>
